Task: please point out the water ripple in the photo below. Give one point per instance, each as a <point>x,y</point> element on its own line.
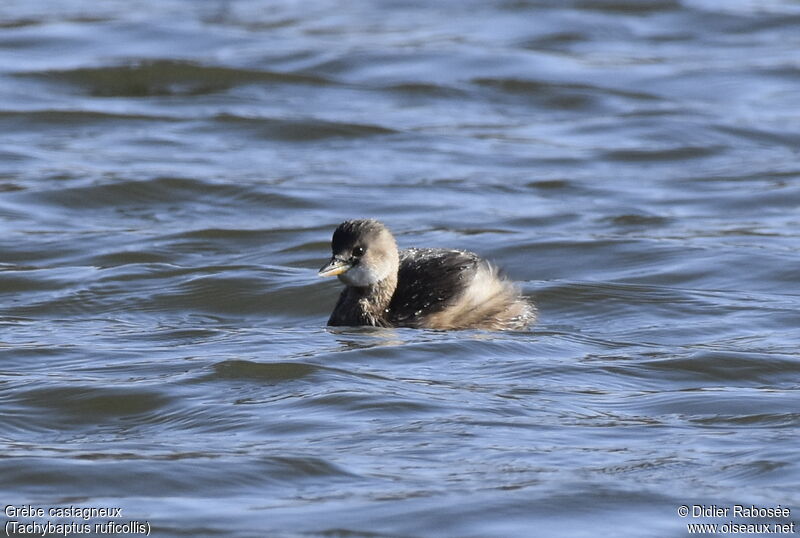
<point>165,77</point>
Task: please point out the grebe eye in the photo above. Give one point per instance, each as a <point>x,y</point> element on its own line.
<point>358,252</point>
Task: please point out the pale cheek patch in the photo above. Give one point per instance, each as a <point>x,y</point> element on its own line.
<point>360,276</point>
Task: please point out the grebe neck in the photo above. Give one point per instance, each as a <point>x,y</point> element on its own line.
<point>368,305</point>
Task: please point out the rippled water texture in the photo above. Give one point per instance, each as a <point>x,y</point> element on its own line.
<point>170,175</point>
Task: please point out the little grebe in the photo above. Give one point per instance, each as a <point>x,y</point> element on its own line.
<point>418,287</point>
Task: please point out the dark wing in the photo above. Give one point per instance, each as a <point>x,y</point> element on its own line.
<point>428,281</point>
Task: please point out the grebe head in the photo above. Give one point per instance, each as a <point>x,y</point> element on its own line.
<point>364,253</point>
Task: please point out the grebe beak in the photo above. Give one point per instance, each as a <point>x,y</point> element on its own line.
<point>336,266</point>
